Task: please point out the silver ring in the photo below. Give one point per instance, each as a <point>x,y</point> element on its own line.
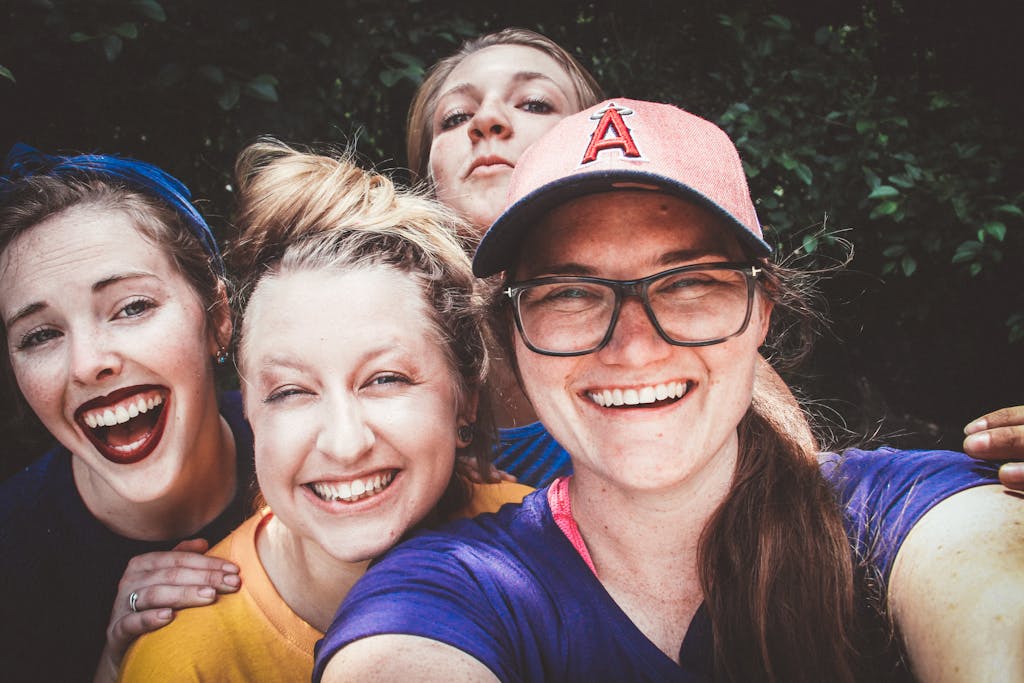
<point>133,598</point>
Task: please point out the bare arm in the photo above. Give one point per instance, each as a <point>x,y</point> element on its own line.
<point>405,658</point>
<point>957,589</point>
<point>1000,436</point>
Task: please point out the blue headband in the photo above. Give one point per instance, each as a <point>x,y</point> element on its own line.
<point>24,161</point>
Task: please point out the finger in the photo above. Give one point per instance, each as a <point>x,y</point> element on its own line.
<point>125,630</point>
<point>221,581</point>
<point>1004,417</point>
<point>165,596</point>
<point>1003,443</point>
<point>149,562</point>
<point>1012,475</point>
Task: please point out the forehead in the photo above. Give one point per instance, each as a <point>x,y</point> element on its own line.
<point>327,312</point>
<point>500,64</point>
<point>89,243</point>
<point>614,232</point>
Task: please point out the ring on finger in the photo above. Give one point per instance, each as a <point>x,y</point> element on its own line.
<point>133,599</point>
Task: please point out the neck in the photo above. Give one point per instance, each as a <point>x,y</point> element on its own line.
<point>311,582</point>
<point>203,489</point>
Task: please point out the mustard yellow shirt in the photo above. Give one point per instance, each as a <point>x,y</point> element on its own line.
<point>252,634</point>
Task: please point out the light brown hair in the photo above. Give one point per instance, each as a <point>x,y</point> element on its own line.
<point>419,125</point>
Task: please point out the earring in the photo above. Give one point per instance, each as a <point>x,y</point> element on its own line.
<point>222,356</point>
<point>466,434</point>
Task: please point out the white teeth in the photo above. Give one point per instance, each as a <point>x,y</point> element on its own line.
<point>108,417</point>
<point>643,395</point>
<point>352,491</point>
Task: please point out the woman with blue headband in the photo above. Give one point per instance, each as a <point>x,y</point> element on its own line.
<point>114,312</point>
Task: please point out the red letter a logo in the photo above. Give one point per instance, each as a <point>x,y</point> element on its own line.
<point>611,118</point>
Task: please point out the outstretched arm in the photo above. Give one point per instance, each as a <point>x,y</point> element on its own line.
<point>404,658</point>
<point>957,589</point>
<point>999,436</point>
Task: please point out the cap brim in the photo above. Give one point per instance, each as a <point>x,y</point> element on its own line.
<point>499,248</point>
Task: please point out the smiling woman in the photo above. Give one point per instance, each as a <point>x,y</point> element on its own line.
<point>361,357</point>
<point>114,309</point>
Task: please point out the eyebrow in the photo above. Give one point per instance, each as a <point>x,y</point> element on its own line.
<point>668,259</point>
<point>517,78</point>
<point>97,287</point>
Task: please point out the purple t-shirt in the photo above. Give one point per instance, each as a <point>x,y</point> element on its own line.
<point>510,590</point>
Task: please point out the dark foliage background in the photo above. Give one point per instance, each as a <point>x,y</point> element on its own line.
<point>893,126</point>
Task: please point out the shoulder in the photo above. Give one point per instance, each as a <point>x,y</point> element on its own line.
<point>35,502</point>
<point>531,454</point>
<point>885,492</point>
<point>490,497</point>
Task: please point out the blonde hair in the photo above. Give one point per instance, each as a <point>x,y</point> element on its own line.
<point>301,211</point>
<point>419,125</point>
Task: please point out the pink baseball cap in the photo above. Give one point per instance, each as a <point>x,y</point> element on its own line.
<point>623,144</point>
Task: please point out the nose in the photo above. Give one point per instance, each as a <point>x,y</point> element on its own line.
<point>490,119</point>
<point>344,435</point>
<point>94,358</point>
<point>635,342</point>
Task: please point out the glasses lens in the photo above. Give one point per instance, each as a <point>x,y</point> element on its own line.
<point>700,305</point>
<point>566,317</point>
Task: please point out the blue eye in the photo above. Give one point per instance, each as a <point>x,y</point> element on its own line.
<point>37,337</point>
<point>135,308</point>
<point>389,378</point>
<point>537,106</point>
<point>454,119</point>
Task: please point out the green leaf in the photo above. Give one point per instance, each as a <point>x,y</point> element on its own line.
<point>1011,209</point>
<point>967,251</point>
<point>213,74</point>
<point>997,229</point>
<point>6,73</point>
<point>79,37</point>
<point>810,243</point>
<point>229,96</point>
<point>886,208</point>
<point>150,9</point>
<point>262,90</point>
<point>871,177</point>
<point>974,269</point>
<point>908,264</point>
<point>894,251</point>
<point>112,46</point>
<point>320,37</point>
<point>270,79</point>
<point>864,126</point>
<point>128,29</point>
<point>391,76</point>
<point>884,192</point>
<point>803,172</point>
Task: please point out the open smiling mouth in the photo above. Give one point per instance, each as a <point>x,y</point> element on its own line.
<point>126,425</point>
<point>354,490</point>
<point>642,397</point>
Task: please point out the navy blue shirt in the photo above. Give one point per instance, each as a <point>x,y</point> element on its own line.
<point>59,566</point>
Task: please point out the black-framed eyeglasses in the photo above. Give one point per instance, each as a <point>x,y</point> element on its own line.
<point>696,305</point>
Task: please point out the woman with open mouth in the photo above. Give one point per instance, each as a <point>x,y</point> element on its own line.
<point>695,541</point>
<point>361,357</point>
<point>114,315</point>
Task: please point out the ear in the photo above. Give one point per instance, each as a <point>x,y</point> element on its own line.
<point>467,414</point>
<point>763,308</point>
<point>219,319</point>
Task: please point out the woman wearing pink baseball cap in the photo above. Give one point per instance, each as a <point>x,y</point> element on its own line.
<point>695,540</point>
